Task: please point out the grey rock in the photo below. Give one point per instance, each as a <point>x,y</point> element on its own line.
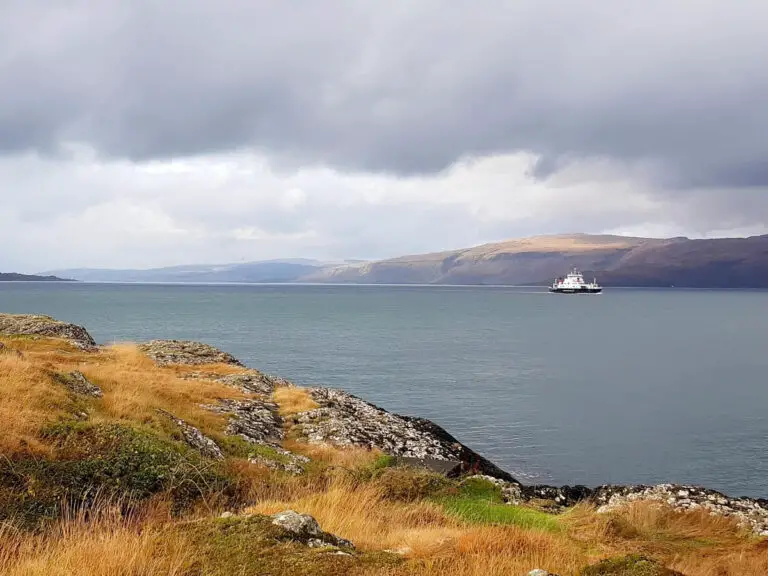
<point>345,420</point>
<point>227,515</point>
<point>253,420</point>
<point>253,382</point>
<point>79,384</point>
<point>195,438</point>
<point>306,529</point>
<point>290,462</point>
<point>38,325</point>
<point>540,572</point>
<point>167,352</point>
<point>750,513</point>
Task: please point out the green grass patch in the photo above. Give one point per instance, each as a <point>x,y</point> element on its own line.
<point>479,501</point>
<point>106,460</point>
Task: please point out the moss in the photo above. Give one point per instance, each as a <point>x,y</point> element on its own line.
<point>240,448</point>
<point>632,565</point>
<point>479,501</point>
<point>253,545</point>
<point>110,460</point>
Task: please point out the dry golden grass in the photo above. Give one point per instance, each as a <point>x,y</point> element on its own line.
<point>28,399</point>
<point>134,387</point>
<point>107,546</point>
<point>293,400</point>
<point>694,543</point>
<point>348,457</point>
<point>362,514</point>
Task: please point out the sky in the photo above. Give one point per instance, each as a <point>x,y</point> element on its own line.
<point>138,133</point>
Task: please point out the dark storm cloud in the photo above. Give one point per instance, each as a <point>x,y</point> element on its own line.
<point>399,86</point>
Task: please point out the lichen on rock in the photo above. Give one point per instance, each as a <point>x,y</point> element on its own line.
<point>252,420</point>
<point>307,530</point>
<point>167,352</point>
<point>748,512</point>
<point>252,381</point>
<point>79,384</point>
<point>194,438</point>
<point>39,325</point>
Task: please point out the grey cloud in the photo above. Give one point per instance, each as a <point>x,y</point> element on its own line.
<point>401,86</point>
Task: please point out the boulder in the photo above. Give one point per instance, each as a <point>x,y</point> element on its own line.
<point>306,529</point>
<point>38,325</point>
<point>167,352</point>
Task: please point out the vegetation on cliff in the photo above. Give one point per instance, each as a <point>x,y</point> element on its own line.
<point>189,468</point>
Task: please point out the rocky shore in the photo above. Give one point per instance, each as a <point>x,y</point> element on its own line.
<point>342,419</point>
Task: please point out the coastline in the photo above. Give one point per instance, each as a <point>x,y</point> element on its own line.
<point>345,420</point>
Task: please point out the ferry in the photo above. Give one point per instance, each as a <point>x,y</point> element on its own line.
<point>574,283</point>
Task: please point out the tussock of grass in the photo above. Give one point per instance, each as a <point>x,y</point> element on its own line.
<point>109,544</point>
<point>479,501</point>
<point>293,400</point>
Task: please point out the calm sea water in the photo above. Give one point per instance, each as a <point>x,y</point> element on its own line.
<point>627,387</point>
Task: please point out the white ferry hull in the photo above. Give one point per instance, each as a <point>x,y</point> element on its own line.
<point>582,290</point>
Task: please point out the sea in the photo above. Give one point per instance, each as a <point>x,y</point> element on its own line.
<point>629,386</point>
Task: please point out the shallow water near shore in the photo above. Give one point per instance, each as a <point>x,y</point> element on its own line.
<point>631,386</point>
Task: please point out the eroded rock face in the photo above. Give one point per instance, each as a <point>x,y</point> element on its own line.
<point>79,384</point>
<point>306,529</point>
<point>166,352</point>
<point>345,420</point>
<point>195,438</point>
<point>749,512</point>
<point>37,325</point>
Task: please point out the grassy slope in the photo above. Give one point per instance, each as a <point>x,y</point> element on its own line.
<point>107,486</point>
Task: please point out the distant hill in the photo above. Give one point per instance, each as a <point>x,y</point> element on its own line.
<point>615,260</point>
<point>13,277</point>
<point>264,271</point>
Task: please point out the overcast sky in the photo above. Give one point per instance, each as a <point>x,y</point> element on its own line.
<point>141,133</point>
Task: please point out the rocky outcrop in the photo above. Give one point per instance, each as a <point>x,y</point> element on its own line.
<point>167,352</point>
<point>253,381</point>
<point>345,420</point>
<point>285,461</point>
<point>748,512</point>
<point>255,421</point>
<point>306,530</point>
<point>79,384</point>
<point>36,325</point>
<point>196,439</point>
